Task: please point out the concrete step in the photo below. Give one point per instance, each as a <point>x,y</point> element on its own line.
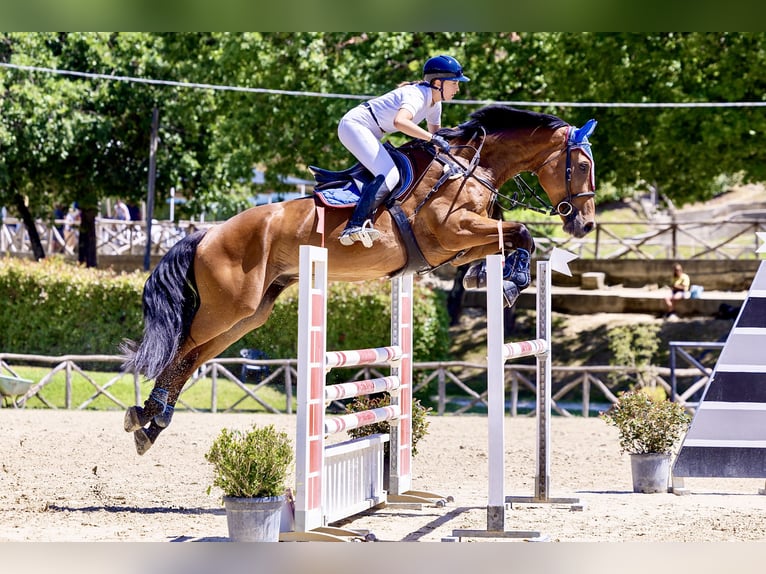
<point>617,299</point>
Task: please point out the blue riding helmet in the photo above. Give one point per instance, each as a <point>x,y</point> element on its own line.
<point>443,68</point>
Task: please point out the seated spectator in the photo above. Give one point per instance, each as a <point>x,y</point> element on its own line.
<point>679,289</point>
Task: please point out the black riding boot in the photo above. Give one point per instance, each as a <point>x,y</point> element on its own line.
<point>359,227</point>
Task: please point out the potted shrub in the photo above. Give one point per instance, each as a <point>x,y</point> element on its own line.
<point>649,428</point>
<point>251,469</point>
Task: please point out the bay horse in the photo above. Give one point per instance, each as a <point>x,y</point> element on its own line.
<point>216,285</point>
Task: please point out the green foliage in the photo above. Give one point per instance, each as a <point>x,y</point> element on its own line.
<point>54,308</point>
<point>645,424</point>
<point>367,402</point>
<point>633,346</point>
<point>65,138</point>
<point>252,464</point>
<point>358,317</point>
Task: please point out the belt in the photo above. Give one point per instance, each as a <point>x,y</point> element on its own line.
<point>369,109</point>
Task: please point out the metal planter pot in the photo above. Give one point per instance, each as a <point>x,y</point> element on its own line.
<point>651,472</point>
<point>253,519</point>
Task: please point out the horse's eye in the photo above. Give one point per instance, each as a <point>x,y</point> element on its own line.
<point>584,166</point>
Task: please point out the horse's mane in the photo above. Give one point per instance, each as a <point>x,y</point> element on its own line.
<point>497,118</point>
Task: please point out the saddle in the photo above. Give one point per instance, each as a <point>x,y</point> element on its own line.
<point>339,188</point>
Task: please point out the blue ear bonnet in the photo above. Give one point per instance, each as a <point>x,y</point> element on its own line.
<point>578,137</point>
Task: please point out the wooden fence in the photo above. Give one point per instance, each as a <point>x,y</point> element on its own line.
<point>714,239</point>
<point>455,387</point>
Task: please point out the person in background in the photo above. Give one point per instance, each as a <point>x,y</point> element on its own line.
<point>121,211</point>
<point>679,289</point>
<point>400,110</point>
<point>72,226</point>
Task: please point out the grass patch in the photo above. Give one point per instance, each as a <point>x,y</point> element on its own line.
<point>198,395</point>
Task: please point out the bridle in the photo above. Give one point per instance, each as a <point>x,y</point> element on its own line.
<point>565,207</point>
<point>526,194</point>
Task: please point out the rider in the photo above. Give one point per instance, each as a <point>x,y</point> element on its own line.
<point>400,110</point>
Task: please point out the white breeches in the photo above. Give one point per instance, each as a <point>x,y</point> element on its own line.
<point>359,133</point>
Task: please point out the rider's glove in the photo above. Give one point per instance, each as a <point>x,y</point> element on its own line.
<point>440,143</point>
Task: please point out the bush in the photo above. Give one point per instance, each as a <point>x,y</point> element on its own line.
<point>52,307</point>
<point>645,424</point>
<point>251,464</point>
<point>419,419</point>
<point>633,346</point>
<point>358,317</point>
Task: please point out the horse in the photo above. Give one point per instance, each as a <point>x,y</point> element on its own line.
<point>216,285</point>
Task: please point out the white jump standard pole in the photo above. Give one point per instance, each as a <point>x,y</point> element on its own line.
<point>498,353</point>
<point>543,444</point>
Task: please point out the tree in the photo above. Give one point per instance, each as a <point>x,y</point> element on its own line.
<point>688,154</point>
<point>37,118</point>
<point>80,139</point>
<point>65,138</point>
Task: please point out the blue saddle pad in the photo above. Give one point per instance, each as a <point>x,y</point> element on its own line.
<point>339,189</point>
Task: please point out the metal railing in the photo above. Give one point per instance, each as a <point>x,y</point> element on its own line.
<point>113,236</point>
<point>460,387</point>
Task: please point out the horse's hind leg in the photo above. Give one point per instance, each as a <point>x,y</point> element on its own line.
<point>173,378</point>
<point>145,437</point>
<point>160,404</point>
<point>136,417</point>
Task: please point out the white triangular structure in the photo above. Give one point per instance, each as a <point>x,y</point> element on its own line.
<point>762,236</point>
<point>559,260</point>
<point>727,437</point>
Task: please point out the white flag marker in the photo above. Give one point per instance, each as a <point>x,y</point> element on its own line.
<point>560,259</point>
<point>762,236</point>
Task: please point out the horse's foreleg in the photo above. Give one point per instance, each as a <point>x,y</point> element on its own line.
<point>479,236</point>
<point>516,273</point>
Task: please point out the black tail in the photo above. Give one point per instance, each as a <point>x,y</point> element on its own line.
<point>170,301</point>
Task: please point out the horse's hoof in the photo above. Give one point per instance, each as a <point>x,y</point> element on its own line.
<point>516,268</point>
<point>133,420</point>
<point>510,294</point>
<point>476,276</point>
<point>142,440</point>
<point>163,420</point>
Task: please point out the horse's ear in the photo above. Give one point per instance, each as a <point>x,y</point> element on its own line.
<point>584,132</point>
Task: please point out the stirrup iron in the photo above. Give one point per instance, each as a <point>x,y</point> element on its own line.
<point>367,234</point>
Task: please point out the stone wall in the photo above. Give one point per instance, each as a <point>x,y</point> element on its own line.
<point>712,274</point>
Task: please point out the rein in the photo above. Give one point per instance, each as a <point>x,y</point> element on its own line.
<point>453,169</point>
<point>525,194</point>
